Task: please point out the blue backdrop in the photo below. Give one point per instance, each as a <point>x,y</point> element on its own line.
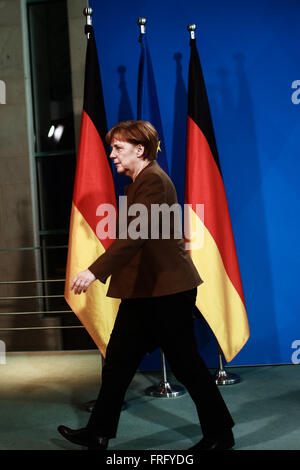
<point>250,57</point>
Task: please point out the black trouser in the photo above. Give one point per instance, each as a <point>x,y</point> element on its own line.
<point>141,326</point>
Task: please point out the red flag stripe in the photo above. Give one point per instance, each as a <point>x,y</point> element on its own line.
<point>94,182</point>
<point>211,193</point>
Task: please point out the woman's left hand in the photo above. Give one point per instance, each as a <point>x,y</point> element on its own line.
<point>82,281</point>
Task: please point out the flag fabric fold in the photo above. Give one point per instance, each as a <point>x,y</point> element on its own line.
<point>220,298</point>
<point>93,186</point>
<point>147,102</point>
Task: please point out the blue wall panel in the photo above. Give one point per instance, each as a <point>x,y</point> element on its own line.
<point>250,56</point>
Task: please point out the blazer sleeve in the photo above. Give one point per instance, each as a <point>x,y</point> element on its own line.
<point>150,190</point>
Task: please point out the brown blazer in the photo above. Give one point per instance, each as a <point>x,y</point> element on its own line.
<point>147,267</point>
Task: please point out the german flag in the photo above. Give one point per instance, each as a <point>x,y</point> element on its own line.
<point>93,186</point>
<point>220,298</point>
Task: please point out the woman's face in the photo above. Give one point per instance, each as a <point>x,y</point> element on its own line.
<point>126,156</point>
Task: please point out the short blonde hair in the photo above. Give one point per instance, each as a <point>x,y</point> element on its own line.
<point>136,132</point>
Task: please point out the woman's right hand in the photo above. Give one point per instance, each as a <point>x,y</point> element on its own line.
<point>82,281</point>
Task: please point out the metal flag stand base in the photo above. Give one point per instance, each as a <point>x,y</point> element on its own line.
<point>225,378</point>
<point>164,389</point>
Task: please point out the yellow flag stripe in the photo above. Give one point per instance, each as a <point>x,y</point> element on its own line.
<point>95,310</point>
<point>217,299</point>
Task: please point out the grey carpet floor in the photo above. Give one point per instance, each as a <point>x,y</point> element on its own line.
<point>40,391</point>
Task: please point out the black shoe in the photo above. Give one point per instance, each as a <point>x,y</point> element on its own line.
<point>223,442</point>
<point>83,438</point>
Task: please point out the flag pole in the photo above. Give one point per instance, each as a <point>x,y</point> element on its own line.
<point>142,24</point>
<point>164,389</point>
<point>87,12</point>
<point>88,18</point>
<point>221,376</point>
<point>192,28</point>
